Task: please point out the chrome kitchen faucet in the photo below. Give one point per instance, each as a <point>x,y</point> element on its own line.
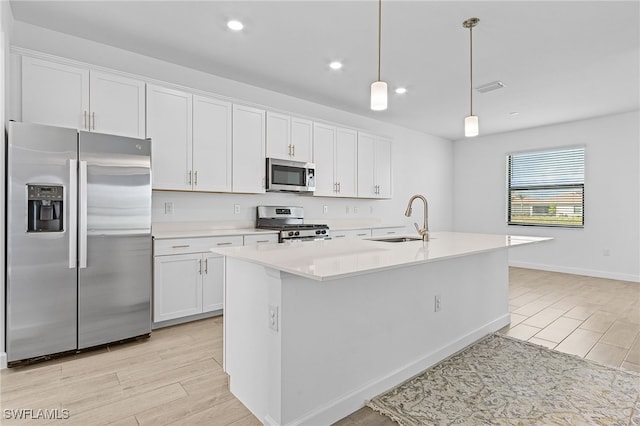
<point>424,231</point>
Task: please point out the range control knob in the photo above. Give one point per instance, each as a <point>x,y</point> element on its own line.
<point>291,233</point>
<point>324,231</point>
<point>318,232</point>
<point>297,233</point>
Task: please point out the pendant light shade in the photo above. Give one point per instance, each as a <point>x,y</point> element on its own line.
<point>471,123</point>
<point>379,88</point>
<point>471,126</point>
<point>378,96</point>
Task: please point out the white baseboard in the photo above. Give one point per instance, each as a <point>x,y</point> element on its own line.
<point>577,271</point>
<point>3,360</point>
<point>353,401</point>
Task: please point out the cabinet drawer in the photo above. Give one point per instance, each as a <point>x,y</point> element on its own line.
<point>381,232</point>
<point>260,239</point>
<point>194,245</point>
<point>350,233</point>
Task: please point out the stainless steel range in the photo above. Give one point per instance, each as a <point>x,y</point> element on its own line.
<point>290,222</point>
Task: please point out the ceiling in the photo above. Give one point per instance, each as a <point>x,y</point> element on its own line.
<point>559,60</point>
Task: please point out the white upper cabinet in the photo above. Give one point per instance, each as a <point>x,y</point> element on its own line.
<point>324,140</point>
<point>302,139</point>
<point>212,144</point>
<point>169,117</point>
<point>278,136</point>
<point>249,167</point>
<point>346,162</point>
<point>191,139</point>
<point>289,138</point>
<point>335,155</point>
<point>374,166</point>
<point>67,96</point>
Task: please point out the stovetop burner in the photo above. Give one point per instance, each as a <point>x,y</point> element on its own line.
<point>294,226</point>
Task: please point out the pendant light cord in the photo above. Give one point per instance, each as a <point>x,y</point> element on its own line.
<point>379,35</point>
<point>470,70</point>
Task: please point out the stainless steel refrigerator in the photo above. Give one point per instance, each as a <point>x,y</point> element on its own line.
<point>78,240</point>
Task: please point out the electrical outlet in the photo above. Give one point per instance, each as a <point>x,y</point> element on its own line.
<point>236,208</point>
<point>346,209</point>
<point>355,210</point>
<point>437,303</point>
<point>325,209</point>
<point>273,317</point>
<point>168,208</point>
<point>371,209</point>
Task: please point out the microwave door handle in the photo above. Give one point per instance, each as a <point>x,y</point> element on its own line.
<point>72,213</point>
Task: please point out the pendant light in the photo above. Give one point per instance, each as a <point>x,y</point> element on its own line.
<point>471,122</point>
<point>379,88</point>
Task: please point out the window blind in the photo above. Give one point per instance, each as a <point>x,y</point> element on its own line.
<point>546,188</point>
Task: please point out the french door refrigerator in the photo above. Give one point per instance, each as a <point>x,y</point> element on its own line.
<point>78,240</point>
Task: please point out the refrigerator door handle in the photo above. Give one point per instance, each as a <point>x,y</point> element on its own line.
<point>82,229</point>
<point>72,213</point>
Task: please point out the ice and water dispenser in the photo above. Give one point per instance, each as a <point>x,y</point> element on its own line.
<point>45,206</point>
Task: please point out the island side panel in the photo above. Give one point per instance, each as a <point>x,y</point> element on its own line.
<point>347,340</point>
<point>251,347</point>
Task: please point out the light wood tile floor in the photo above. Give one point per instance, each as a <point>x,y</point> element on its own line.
<point>176,376</point>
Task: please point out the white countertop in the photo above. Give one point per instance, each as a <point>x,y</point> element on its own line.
<point>196,233</point>
<point>333,259</point>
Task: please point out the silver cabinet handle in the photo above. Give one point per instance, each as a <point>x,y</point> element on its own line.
<point>224,244</point>
<point>181,246</point>
<point>84,120</point>
<point>195,178</point>
<point>200,266</point>
<point>93,114</point>
<point>391,232</point>
<point>262,241</point>
<point>293,148</point>
<point>339,187</point>
<point>72,223</point>
<point>338,236</point>
<point>289,148</point>
<point>189,177</point>
<point>82,219</point>
<point>206,266</point>
<point>361,235</point>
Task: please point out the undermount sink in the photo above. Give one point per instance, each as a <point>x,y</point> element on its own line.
<point>396,239</point>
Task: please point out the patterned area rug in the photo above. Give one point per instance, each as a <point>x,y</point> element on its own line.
<point>503,381</point>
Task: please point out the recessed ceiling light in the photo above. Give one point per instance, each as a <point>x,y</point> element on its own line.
<point>401,90</point>
<point>335,65</point>
<point>235,25</point>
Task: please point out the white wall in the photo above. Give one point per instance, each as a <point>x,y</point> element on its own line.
<point>422,163</point>
<point>612,195</point>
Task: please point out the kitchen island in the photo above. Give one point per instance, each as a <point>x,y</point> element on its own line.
<point>313,329</point>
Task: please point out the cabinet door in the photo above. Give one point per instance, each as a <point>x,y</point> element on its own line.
<point>177,286</point>
<point>366,153</point>
<point>324,137</point>
<point>117,105</point>
<point>302,139</point>
<point>169,114</point>
<point>382,168</point>
<point>211,144</point>
<point>212,282</point>
<point>249,167</point>
<point>54,94</point>
<point>279,136</point>
<point>346,162</point>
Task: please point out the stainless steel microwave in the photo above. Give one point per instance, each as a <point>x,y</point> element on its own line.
<point>290,176</point>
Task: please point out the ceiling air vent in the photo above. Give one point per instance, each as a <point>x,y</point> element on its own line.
<point>490,87</point>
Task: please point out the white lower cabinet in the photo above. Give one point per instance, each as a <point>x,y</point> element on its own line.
<point>187,278</point>
<point>351,233</point>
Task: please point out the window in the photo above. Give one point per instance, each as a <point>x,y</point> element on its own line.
<point>546,188</point>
